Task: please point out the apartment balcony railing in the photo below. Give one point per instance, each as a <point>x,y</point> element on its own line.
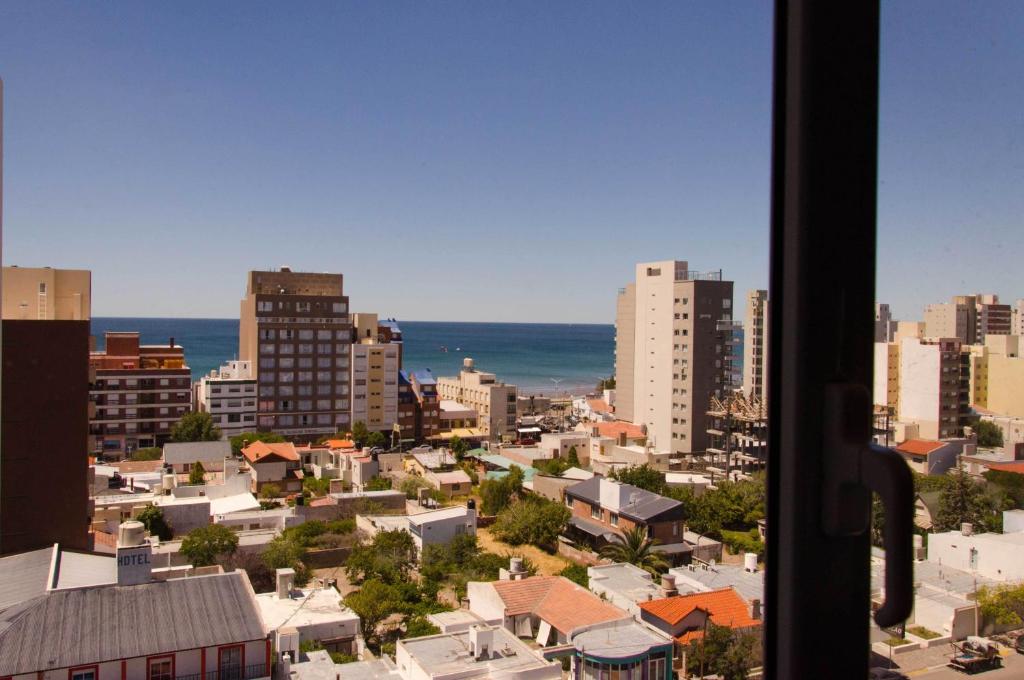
<point>690,275</point>
<point>252,672</point>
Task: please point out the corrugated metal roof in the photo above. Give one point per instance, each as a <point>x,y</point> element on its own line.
<point>75,627</point>
<point>24,576</point>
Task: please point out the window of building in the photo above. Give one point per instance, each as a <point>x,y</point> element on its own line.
<point>305,348</point>
<point>286,348</point>
<point>339,307</point>
<point>84,673</point>
<point>286,377</point>
<point>306,334</point>
<point>613,519</point>
<point>595,511</point>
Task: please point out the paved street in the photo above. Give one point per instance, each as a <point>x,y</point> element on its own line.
<point>1013,667</point>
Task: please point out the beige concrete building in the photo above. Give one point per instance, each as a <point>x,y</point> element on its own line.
<point>885,327</point>
<point>755,345</point>
<point>1017,319</point>
<point>375,367</point>
<point>494,401</point>
<point>930,390</point>
<point>969,318</point>
<point>908,329</point>
<point>294,328</point>
<point>887,376</point>
<point>1005,376</point>
<point>46,294</point>
<point>671,355</point>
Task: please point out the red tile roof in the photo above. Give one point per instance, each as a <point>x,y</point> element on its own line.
<point>1017,467</point>
<point>321,502</point>
<point>724,606</point>
<point>557,600</point>
<point>919,447</point>
<point>341,444</point>
<point>599,405</point>
<point>261,452</point>
<point>614,429</point>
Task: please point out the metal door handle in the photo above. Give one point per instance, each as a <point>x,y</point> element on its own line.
<point>854,467</point>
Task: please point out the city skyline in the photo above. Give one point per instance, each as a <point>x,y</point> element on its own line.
<point>548,150</point>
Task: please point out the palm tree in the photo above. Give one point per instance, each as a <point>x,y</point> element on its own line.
<point>635,548</point>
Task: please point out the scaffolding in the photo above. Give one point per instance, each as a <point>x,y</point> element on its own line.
<point>738,435</point>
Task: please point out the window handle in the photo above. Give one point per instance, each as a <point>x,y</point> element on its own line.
<point>853,468</point>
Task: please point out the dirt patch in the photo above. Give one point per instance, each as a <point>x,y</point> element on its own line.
<point>337,573</point>
<point>548,565</point>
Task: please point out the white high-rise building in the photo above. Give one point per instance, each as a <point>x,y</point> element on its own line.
<point>672,354</point>
<point>228,394</point>
<point>755,346</point>
<point>885,328</point>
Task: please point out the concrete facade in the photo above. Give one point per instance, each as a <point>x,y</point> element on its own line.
<point>930,390</point>
<point>678,356</point>
<point>46,294</point>
<point>755,346</point>
<point>494,401</point>
<point>375,367</point>
<point>228,394</point>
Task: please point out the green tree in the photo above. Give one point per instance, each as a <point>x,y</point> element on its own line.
<point>458,448</point>
<point>152,518</point>
<point>964,500</point>
<point>372,603</point>
<point>285,552</point>
<point>389,557</point>
<point>419,626</point>
<point>642,476</point>
<point>241,440</point>
<point>1010,484</point>
<point>269,491</point>
<point>573,458</point>
<point>196,426</point>
<point>633,547</point>
<point>316,486</point>
<point>359,433</point>
<point>532,520</point>
<point>722,651</point>
<point>378,484</point>
<point>606,384</point>
<point>197,474</point>
<point>1002,604</point>
<point>576,573</point>
<point>376,440</point>
<point>497,494</point>
<point>204,545</point>
<point>411,486</point>
<point>148,453</point>
<point>989,434</point>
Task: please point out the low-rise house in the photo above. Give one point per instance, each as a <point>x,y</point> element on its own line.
<point>546,608</point>
<point>455,415</point>
<point>697,483</point>
<point>624,646</point>
<point>176,628</point>
<point>745,579</point>
<point>926,506</point>
<point>350,503</point>
<point>995,556</point>
<point>602,508</point>
<point>294,616</point>
<point>553,488</point>
<point>451,484</point>
<point>437,460</point>
<point>277,464</point>
<point>427,528</point>
<point>625,585</point>
<point>685,617</point>
<point>931,457</point>
<point>181,457</point>
<point>558,445</point>
<point>479,652</point>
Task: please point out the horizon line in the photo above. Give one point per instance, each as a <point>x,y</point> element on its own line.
<point>510,323</point>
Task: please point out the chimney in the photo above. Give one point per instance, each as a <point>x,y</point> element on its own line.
<point>134,554</point>
<point>481,641</point>
<point>755,609</point>
<point>285,577</point>
<point>967,529</point>
<point>668,585</point>
<point>171,342</point>
<point>622,439</point>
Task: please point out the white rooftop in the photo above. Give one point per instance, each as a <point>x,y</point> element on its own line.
<point>303,608</point>
<point>456,511</point>
<point>241,502</point>
<point>450,654</point>
<point>625,579</point>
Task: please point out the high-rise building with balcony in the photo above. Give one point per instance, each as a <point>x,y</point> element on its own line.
<point>295,330</point>
<point>934,386</point>
<point>672,352</point>
<point>493,400</point>
<point>968,318</point>
<point>139,392</point>
<point>44,415</point>
<point>375,366</point>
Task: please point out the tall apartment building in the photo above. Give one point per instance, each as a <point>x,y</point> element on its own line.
<point>887,377</point>
<point>294,328</point>
<point>139,393</point>
<point>1005,375</point>
<point>755,346</point>
<point>494,401</point>
<point>228,394</point>
<point>44,415</point>
<point>933,386</point>
<point>669,352</point>
<point>968,318</point>
<point>375,366</point>
<point>884,325</point>
<point>1017,318</point>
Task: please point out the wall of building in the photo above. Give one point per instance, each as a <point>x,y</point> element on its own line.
<point>485,602</point>
<point>995,558</point>
<point>625,347</point>
<point>47,294</point>
<point>1006,385</point>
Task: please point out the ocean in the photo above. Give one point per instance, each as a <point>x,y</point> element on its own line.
<point>539,358</point>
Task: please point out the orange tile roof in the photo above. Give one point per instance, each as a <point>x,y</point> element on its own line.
<point>1017,467</point>
<point>724,606</point>
<point>260,451</point>
<point>320,502</point>
<point>563,604</point>
<point>599,405</point>
<point>614,429</point>
<point>341,444</point>
<point>919,447</point>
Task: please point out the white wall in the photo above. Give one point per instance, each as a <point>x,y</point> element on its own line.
<point>997,558</point>
<point>920,376</point>
<point>485,602</point>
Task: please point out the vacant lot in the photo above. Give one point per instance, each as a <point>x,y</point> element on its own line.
<point>546,564</point>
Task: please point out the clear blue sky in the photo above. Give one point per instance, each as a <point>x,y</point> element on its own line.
<point>476,161</point>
